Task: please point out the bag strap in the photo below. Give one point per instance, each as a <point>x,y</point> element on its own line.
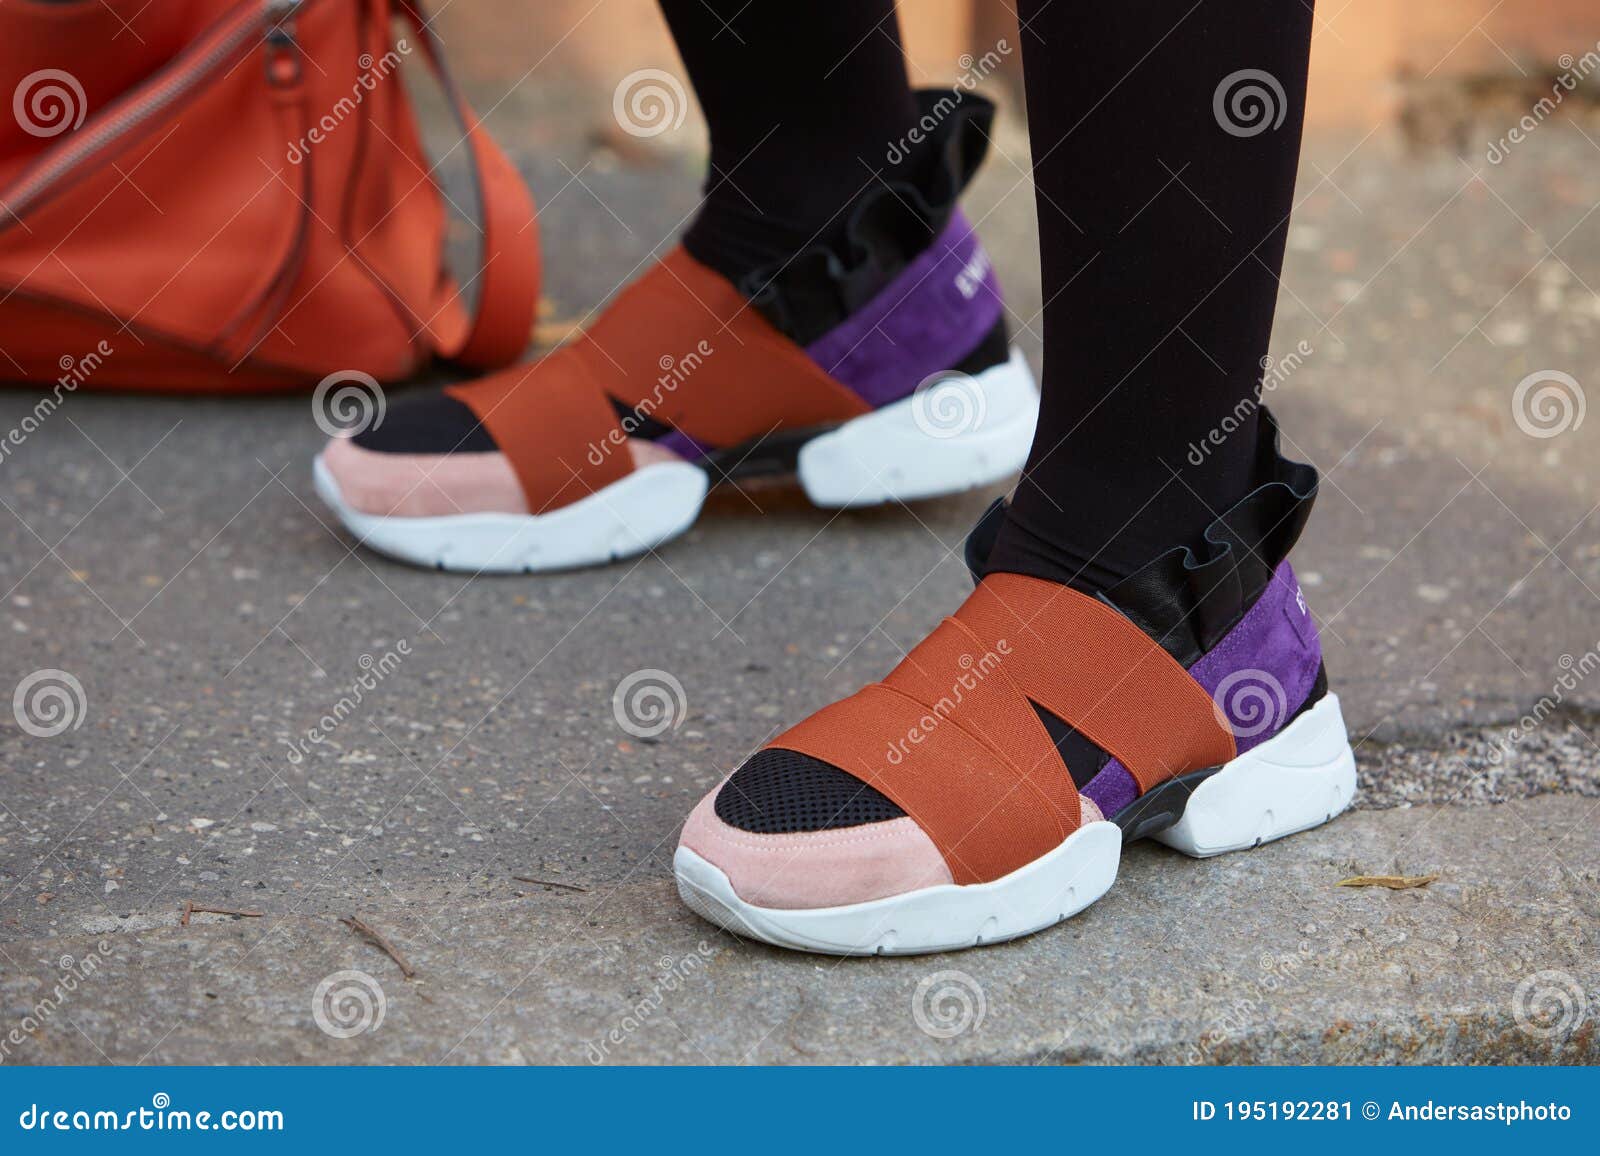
<point>508,291</point>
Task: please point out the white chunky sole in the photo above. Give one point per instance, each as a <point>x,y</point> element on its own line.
<point>955,433</point>
<point>642,510</point>
<point>1300,778</point>
<point>944,918</point>
<point>959,433</point>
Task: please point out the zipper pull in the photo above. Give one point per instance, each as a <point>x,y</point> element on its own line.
<point>282,50</point>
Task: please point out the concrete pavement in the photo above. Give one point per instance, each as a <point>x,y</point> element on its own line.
<point>170,555</point>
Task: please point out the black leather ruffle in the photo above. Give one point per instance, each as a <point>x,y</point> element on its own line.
<point>1188,598</point>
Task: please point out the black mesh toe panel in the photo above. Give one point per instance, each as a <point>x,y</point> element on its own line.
<point>428,424</point>
<point>781,792</point>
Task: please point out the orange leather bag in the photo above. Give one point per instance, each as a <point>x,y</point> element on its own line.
<point>233,195</point>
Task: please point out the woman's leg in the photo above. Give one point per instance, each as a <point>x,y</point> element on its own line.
<point>1163,207</point>
<point>802,103</point>
<point>1137,659</point>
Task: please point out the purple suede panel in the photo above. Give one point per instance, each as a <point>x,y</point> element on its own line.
<point>683,445</point>
<point>1264,667</point>
<point>1112,789</point>
<point>925,321</point>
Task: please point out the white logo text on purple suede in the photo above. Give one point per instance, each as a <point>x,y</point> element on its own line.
<point>973,274</point>
<point>1300,623</point>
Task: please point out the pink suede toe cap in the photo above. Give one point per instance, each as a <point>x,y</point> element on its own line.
<point>816,868</point>
<point>423,485</point>
<point>440,485</point>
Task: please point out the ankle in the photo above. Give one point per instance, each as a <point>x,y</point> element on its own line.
<point>740,231</point>
<point>1020,547</point>
<point>1191,590</point>
<point>731,236</point>
<point>866,211</point>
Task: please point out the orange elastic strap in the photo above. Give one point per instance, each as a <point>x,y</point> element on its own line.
<point>1095,670</point>
<point>685,347</point>
<point>554,425</point>
<point>952,737</point>
<point>985,816</point>
<point>680,346</point>
<point>963,678</point>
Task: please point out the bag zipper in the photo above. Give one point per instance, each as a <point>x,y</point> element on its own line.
<point>225,45</point>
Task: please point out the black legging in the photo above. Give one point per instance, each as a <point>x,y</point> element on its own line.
<point>802,100</point>
<point>1162,218</point>
<point>1163,202</point>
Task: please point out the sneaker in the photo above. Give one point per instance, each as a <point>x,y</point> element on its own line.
<point>606,447</point>
<point>985,789</point>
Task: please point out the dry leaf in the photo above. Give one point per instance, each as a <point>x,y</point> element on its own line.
<point>1392,882</point>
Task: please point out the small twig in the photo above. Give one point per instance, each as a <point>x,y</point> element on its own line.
<point>354,923</point>
<point>190,907</point>
<point>549,883</point>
